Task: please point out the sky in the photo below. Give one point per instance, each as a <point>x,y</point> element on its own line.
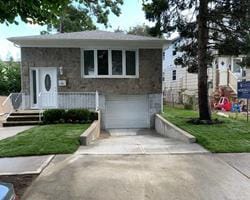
<point>131,15</point>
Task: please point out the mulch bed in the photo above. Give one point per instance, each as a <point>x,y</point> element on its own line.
<point>20,182</point>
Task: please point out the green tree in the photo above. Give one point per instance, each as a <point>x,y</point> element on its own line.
<point>10,77</point>
<point>203,26</point>
<point>84,15</point>
<point>54,12</point>
<point>142,30</point>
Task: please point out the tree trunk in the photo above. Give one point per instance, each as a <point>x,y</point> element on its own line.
<point>204,107</point>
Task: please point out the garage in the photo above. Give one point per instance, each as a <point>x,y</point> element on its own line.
<point>127,111</point>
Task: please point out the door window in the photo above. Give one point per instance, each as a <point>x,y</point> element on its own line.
<point>47,82</point>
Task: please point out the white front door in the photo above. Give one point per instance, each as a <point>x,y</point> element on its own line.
<point>48,87</point>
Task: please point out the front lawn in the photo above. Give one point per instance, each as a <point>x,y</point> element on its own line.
<point>231,136</point>
<point>43,140</point>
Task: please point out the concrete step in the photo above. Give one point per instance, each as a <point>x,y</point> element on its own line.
<point>24,113</point>
<point>20,123</point>
<point>23,118</point>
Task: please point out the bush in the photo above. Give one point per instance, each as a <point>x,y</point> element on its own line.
<point>53,115</point>
<point>93,116</point>
<point>69,116</point>
<point>189,103</point>
<point>77,115</point>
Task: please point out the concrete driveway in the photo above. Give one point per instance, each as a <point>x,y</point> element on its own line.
<point>143,166</point>
<point>140,177</point>
<point>144,141</point>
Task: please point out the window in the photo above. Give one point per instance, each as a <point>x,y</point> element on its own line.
<point>174,52</point>
<point>163,55</point>
<point>110,63</point>
<point>116,62</point>
<point>236,65</point>
<point>47,82</point>
<point>103,62</point>
<point>130,63</point>
<point>174,75</point>
<point>89,62</point>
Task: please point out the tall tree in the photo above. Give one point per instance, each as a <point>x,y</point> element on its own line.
<point>49,12</point>
<point>204,26</point>
<point>10,77</point>
<point>142,30</point>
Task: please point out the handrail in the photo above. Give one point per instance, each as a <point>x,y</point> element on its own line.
<point>233,74</point>
<point>232,81</point>
<point>5,101</point>
<point>17,96</point>
<point>14,104</point>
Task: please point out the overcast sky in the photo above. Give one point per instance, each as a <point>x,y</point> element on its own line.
<point>132,15</point>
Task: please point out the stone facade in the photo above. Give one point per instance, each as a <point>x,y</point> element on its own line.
<point>149,81</point>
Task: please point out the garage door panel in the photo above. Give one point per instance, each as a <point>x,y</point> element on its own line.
<point>127,112</point>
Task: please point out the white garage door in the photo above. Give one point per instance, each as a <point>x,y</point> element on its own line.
<point>125,111</point>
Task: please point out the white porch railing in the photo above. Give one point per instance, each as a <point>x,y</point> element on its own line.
<point>69,100</point>
<point>63,100</point>
<point>15,101</point>
<point>223,77</point>
<point>232,81</point>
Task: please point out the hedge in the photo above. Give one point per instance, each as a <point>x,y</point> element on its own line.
<point>54,116</point>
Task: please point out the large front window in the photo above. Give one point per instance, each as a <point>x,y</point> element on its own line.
<point>110,63</point>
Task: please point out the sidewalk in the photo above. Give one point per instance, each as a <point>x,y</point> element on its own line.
<point>6,132</point>
<point>24,165</point>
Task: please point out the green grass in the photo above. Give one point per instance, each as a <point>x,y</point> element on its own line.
<point>43,140</point>
<point>231,136</point>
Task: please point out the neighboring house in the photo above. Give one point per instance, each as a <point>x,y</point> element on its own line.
<point>227,73</point>
<point>178,82</point>
<point>118,73</point>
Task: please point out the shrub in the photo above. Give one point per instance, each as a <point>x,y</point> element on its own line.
<point>53,115</point>
<point>77,115</point>
<point>189,103</point>
<point>69,116</point>
<point>93,116</point>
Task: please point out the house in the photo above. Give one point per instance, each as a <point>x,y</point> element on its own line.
<point>178,83</point>
<point>227,72</point>
<point>119,74</point>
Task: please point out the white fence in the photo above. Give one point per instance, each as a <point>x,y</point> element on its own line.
<point>69,100</point>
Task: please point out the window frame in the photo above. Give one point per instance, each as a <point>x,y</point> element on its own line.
<point>110,63</point>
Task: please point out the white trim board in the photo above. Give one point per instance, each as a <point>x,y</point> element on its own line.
<point>93,44</point>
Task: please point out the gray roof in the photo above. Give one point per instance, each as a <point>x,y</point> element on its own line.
<point>89,38</point>
<point>88,35</point>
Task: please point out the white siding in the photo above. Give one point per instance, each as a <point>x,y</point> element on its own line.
<point>185,82</point>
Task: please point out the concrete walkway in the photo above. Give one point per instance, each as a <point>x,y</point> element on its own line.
<point>140,177</point>
<point>139,142</point>
<point>24,165</point>
<point>6,132</point>
<point>239,161</point>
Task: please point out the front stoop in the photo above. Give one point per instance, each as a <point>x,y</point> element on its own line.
<point>22,119</point>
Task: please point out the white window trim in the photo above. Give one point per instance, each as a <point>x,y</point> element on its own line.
<point>110,63</point>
